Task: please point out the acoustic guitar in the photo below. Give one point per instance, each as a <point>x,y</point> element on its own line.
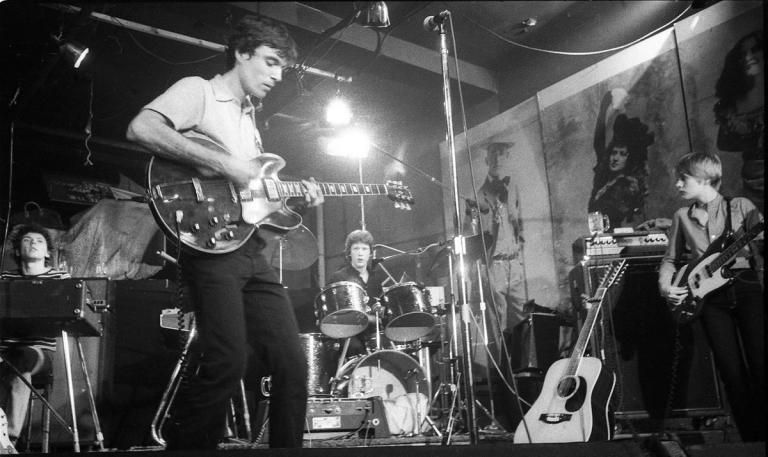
<point>213,216</point>
<point>708,273</point>
<point>574,403</point>
<point>6,447</point>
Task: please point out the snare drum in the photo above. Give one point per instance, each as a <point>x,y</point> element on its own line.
<point>322,355</point>
<point>342,309</point>
<point>406,312</point>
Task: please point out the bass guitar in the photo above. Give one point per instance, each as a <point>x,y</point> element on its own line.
<point>574,403</point>
<point>213,216</point>
<point>708,273</point>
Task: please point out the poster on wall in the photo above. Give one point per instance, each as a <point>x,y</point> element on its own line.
<point>503,193</point>
<point>611,135</point>
<point>721,60</point>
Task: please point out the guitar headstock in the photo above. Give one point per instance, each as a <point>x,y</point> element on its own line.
<point>400,194</point>
<point>615,274</point>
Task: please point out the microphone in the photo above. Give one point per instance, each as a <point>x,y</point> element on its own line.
<point>432,23</point>
<point>375,261</point>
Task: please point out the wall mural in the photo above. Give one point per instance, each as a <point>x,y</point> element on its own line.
<point>507,164</point>
<point>721,57</point>
<point>609,136</point>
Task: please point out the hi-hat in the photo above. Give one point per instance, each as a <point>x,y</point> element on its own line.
<point>299,248</point>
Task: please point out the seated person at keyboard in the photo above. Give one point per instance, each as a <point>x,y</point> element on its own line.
<point>32,247</point>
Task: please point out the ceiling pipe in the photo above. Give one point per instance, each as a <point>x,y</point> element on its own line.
<point>126,24</point>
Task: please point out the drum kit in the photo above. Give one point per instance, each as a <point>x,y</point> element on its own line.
<point>404,333</point>
<point>396,360</point>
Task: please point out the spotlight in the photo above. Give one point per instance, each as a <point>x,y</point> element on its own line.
<point>338,113</point>
<point>74,52</point>
<point>376,15</point>
<point>352,142</point>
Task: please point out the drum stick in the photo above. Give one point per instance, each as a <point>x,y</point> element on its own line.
<point>391,278</point>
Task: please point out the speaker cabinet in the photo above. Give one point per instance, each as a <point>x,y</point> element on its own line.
<point>658,363</point>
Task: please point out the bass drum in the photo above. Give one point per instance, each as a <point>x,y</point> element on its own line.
<point>322,355</point>
<point>386,374</point>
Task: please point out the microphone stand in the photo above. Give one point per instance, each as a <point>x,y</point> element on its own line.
<point>459,244</point>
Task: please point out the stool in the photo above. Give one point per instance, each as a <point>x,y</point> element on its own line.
<point>43,384</point>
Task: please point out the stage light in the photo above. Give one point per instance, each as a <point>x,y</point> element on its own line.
<point>72,50</point>
<point>376,15</point>
<point>75,53</point>
<point>338,113</point>
<point>352,142</point>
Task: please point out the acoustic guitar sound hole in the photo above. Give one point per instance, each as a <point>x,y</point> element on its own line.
<point>567,386</point>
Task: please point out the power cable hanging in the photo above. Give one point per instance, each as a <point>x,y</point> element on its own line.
<point>575,53</point>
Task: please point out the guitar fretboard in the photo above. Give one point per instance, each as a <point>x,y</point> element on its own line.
<point>734,248</point>
<point>606,289</point>
<point>288,189</point>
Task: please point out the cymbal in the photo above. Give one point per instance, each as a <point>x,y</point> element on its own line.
<point>299,248</point>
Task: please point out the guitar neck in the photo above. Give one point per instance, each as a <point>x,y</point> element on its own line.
<point>731,251</point>
<point>586,331</point>
<point>289,189</point>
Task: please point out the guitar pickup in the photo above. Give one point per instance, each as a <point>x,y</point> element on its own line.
<point>271,191</point>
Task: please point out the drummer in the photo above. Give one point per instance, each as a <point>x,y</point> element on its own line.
<point>358,251</point>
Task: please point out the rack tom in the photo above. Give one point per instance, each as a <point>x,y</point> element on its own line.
<point>407,315</point>
<point>342,309</point>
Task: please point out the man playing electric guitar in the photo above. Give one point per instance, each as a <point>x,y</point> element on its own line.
<point>732,316</point>
<point>238,299</point>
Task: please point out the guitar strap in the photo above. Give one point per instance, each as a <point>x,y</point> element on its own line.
<point>728,225</point>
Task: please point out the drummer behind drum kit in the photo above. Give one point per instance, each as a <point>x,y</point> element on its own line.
<point>396,366</point>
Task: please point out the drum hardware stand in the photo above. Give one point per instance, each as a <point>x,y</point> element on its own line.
<point>494,426</point>
<point>169,395</point>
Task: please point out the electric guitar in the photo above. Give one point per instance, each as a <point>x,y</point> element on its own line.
<point>6,447</point>
<point>574,403</point>
<point>708,273</point>
<point>213,216</point>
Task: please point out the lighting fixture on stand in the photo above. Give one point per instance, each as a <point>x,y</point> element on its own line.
<point>75,52</point>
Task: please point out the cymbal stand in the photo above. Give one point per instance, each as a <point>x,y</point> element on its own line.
<point>448,388</point>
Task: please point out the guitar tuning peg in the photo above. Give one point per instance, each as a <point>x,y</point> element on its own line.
<point>408,207</point>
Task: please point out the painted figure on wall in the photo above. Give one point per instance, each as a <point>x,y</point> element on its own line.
<point>740,113</point>
<point>499,216</point>
<point>621,145</point>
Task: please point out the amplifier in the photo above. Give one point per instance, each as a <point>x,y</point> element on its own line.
<point>46,307</point>
<point>633,244</point>
<point>333,417</point>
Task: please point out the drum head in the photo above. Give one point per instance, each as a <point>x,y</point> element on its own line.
<point>406,313</point>
<point>387,374</point>
<point>342,309</point>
